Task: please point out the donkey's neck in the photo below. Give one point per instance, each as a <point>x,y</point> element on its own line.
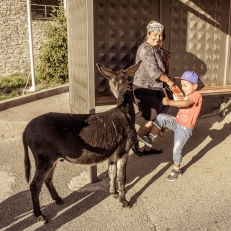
<point>125,104</point>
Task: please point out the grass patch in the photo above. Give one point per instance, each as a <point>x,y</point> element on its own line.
<point>18,84</point>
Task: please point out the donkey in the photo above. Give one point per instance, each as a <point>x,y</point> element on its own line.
<point>83,139</point>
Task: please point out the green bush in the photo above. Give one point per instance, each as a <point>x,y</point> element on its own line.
<point>13,85</point>
<point>53,58</point>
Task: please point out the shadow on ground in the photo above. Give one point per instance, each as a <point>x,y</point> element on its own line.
<point>21,217</point>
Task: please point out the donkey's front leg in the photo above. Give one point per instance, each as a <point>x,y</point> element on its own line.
<point>121,179</point>
<point>112,169</point>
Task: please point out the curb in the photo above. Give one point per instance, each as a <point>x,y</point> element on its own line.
<point>17,101</point>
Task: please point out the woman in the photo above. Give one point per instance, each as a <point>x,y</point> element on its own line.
<point>148,83</point>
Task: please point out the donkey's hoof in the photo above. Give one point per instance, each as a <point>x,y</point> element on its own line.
<point>126,204</point>
<point>59,201</point>
<point>115,195</point>
<point>42,219</point>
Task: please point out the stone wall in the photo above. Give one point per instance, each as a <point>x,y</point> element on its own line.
<point>14,38</point>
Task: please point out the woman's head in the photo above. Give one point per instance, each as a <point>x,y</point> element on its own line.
<point>155,34</point>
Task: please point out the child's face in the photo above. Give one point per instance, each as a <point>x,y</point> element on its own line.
<point>188,87</point>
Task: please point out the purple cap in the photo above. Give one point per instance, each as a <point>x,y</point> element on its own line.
<point>190,76</point>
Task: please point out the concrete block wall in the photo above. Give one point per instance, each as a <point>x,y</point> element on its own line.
<point>14,43</point>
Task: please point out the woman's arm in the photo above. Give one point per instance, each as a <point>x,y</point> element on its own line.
<point>164,78</point>
<point>150,64</point>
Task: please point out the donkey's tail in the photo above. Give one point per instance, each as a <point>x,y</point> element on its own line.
<point>27,164</point>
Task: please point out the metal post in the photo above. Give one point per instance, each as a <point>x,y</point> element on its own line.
<point>93,173</point>
<point>45,11</point>
<point>223,106</point>
<point>33,87</point>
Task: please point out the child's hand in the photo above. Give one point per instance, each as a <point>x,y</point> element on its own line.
<point>165,101</point>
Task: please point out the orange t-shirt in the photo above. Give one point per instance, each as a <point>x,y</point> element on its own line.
<point>187,116</point>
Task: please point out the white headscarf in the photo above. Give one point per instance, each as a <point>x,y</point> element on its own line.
<point>155,26</point>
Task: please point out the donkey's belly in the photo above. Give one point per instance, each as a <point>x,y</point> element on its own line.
<point>89,158</point>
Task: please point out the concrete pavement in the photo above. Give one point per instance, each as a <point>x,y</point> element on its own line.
<point>199,200</point>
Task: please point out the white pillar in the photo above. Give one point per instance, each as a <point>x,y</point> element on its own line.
<point>65,4</point>
<point>33,87</point>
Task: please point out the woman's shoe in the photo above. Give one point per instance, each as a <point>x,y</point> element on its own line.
<point>152,151</point>
<point>136,150</point>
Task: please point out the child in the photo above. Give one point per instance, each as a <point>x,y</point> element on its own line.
<point>185,120</point>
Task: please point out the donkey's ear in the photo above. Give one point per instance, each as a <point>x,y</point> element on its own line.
<point>132,69</point>
<point>106,72</point>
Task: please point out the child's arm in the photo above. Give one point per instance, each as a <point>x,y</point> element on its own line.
<point>178,103</point>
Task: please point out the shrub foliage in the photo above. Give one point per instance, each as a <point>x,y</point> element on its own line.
<point>53,58</point>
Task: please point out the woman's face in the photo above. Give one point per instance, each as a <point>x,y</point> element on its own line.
<point>155,38</point>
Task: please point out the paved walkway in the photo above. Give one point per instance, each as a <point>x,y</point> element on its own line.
<point>199,200</point>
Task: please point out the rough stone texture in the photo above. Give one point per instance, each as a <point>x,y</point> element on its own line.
<point>14,37</point>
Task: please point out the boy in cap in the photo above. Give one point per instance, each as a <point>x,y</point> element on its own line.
<point>185,120</point>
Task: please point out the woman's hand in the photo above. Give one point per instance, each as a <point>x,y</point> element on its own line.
<point>170,83</point>
<point>164,78</point>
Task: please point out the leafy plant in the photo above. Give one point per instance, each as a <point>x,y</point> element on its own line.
<point>17,85</point>
<point>53,59</point>
<point>12,86</point>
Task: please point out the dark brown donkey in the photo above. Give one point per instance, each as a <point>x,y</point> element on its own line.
<point>83,139</point>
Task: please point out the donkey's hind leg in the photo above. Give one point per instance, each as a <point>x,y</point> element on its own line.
<point>112,170</point>
<point>51,188</point>
<point>35,188</point>
<point>121,179</point>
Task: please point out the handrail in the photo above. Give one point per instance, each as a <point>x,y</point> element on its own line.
<point>40,11</point>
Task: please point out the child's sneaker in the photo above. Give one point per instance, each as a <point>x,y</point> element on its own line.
<point>174,175</point>
<point>146,140</point>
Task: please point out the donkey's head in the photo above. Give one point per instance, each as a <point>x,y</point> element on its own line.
<point>119,80</point>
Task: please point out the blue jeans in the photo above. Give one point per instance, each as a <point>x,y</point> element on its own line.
<point>181,134</point>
